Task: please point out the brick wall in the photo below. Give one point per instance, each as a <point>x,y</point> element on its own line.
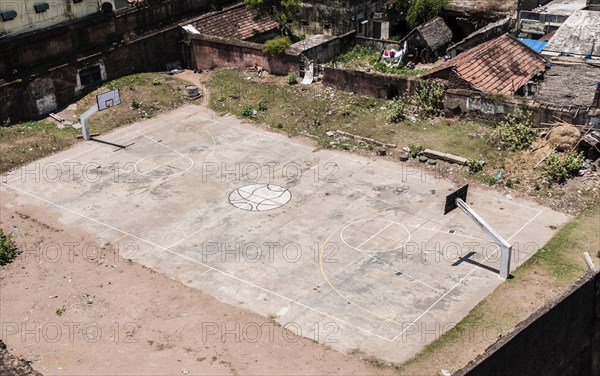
<point>367,83</point>
<point>212,52</point>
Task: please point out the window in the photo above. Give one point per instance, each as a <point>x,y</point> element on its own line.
<point>9,15</point>
<point>41,7</point>
<point>90,76</point>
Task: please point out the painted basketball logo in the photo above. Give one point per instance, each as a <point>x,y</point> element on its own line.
<point>260,197</point>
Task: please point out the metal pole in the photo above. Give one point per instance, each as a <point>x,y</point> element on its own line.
<point>505,247</point>
<point>83,119</point>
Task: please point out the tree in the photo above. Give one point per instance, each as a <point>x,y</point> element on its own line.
<point>415,12</point>
<point>421,11</point>
<point>280,11</point>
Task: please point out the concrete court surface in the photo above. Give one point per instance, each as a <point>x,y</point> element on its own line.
<point>353,252</point>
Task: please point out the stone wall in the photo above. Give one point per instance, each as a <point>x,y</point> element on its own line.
<point>561,338</point>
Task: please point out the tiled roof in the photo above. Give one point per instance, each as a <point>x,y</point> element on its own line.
<point>235,22</point>
<point>502,65</point>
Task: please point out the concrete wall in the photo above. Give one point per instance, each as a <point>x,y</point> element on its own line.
<point>335,17</point>
<point>329,50</point>
<point>370,84</point>
<point>492,108</point>
<point>44,92</point>
<point>561,338</point>
<point>377,44</point>
<point>25,54</point>
<point>210,52</point>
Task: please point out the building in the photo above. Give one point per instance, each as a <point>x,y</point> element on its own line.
<point>235,22</point>
<point>568,83</point>
<point>547,18</point>
<point>500,66</point>
<point>427,42</point>
<point>337,17</point>
<point>578,36</point>
<point>28,15</point>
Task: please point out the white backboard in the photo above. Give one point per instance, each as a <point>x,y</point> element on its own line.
<point>108,99</point>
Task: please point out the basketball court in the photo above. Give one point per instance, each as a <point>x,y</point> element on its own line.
<point>353,252</point>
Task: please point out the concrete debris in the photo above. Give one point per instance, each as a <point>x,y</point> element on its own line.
<point>445,156</point>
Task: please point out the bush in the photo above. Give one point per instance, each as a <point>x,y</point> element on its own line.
<point>429,97</point>
<point>397,113</point>
<point>263,106</point>
<point>414,150</point>
<point>515,131</point>
<point>248,110</point>
<point>277,46</point>
<point>8,248</point>
<point>292,79</point>
<point>156,82</point>
<point>421,11</point>
<point>559,168</point>
<point>475,165</point>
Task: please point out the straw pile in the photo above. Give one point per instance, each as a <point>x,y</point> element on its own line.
<point>565,136</point>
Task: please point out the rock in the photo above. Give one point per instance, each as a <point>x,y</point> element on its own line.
<point>422,159</point>
<point>60,126</point>
<point>381,151</point>
<point>68,122</point>
<point>432,162</point>
<point>404,157</point>
<point>72,107</point>
<point>330,133</point>
<point>76,126</point>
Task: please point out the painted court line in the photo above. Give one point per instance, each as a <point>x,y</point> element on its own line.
<point>200,263</point>
<point>462,279</point>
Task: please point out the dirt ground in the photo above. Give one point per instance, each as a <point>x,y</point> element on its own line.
<point>72,306</point>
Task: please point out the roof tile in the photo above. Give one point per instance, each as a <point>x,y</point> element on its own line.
<point>501,65</point>
<point>235,22</point>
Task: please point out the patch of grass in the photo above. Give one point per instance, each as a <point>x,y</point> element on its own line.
<point>60,311</point>
<point>313,110</point>
<point>28,141</point>
<point>8,248</point>
<point>27,217</point>
<point>558,264</point>
<point>561,257</point>
<point>361,57</point>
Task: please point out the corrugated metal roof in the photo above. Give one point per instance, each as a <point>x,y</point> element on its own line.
<point>502,65</point>
<point>578,35</point>
<point>235,22</point>
<point>536,45</point>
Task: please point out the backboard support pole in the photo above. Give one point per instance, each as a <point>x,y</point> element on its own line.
<point>505,247</point>
<point>83,119</point>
